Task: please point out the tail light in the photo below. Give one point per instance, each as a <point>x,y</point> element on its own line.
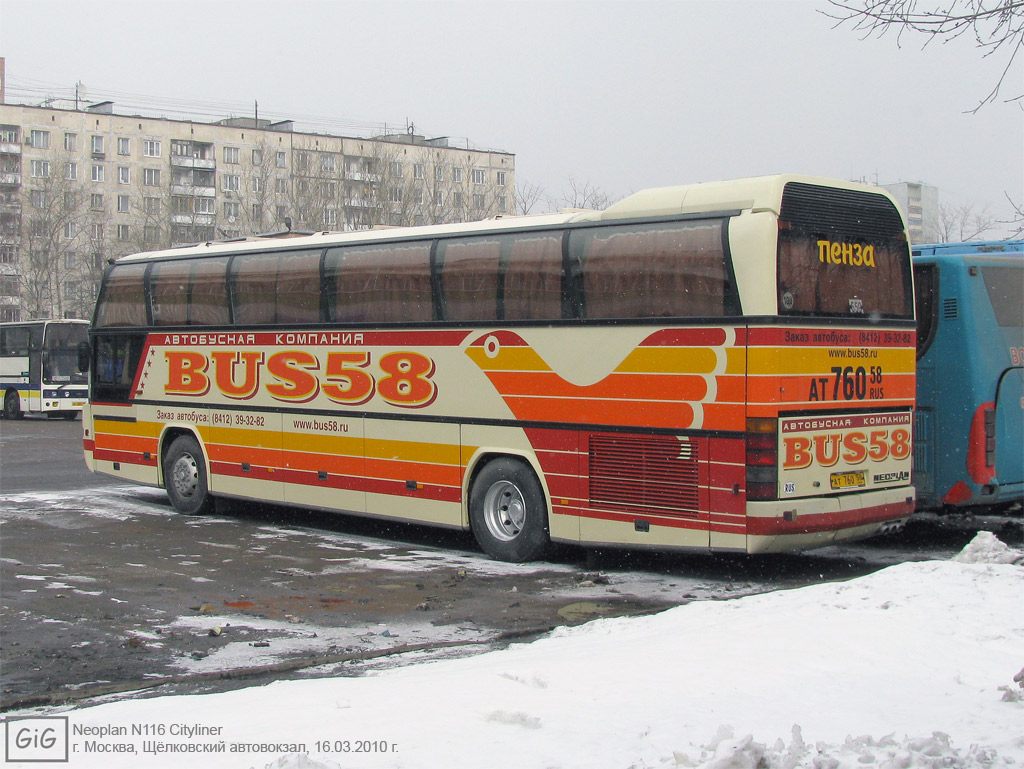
<point>981,444</point>
<point>762,458</point>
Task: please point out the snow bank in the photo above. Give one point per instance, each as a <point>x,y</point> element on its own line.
<point>986,547</point>
<point>906,668</point>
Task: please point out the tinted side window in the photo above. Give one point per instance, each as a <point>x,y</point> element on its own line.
<point>169,288</point>
<point>469,278</point>
<point>926,291</point>
<point>123,300</point>
<point>656,270</point>
<point>533,278</point>
<point>389,283</point>
<point>1005,288</point>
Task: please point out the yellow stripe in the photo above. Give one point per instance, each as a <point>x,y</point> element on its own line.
<point>670,360</point>
<point>412,451</point>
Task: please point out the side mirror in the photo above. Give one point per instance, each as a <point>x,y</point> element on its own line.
<point>84,357</point>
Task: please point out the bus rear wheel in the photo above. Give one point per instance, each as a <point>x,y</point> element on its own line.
<point>508,512</point>
<point>12,406</point>
<point>185,477</point>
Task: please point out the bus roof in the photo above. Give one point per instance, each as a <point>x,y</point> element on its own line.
<point>977,248</point>
<point>762,193</point>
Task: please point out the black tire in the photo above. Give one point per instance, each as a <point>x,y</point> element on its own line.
<point>508,511</point>
<point>185,477</point>
<point>12,406</point>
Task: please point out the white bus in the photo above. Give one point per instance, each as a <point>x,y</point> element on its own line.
<point>43,368</point>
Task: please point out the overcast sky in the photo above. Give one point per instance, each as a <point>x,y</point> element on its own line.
<point>622,94</point>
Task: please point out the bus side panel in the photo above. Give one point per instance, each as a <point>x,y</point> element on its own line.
<point>323,461</point>
<point>414,470</point>
<point>244,451</point>
<point>122,445</point>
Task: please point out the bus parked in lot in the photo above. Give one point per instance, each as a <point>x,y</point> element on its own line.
<point>40,370</point>
<point>969,432</point>
<point>724,366</point>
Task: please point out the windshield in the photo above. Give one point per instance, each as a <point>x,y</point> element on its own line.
<point>61,353</point>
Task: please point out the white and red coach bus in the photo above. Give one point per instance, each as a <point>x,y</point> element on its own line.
<point>724,366</point>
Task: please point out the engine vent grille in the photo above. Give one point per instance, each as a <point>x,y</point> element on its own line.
<point>657,474</point>
<point>949,309</point>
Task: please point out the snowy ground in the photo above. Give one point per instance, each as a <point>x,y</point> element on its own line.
<point>911,667</point>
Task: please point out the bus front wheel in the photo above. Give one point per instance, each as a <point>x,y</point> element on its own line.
<point>12,406</point>
<point>185,477</point>
<point>507,511</point>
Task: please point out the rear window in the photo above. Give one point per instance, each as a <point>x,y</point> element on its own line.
<point>1005,287</point>
<point>842,253</point>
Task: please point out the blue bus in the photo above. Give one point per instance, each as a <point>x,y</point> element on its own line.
<point>968,436</point>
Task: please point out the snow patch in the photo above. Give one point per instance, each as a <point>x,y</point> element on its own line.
<point>986,547</point>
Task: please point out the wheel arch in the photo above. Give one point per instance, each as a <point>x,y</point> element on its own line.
<point>168,435</point>
<point>481,457</point>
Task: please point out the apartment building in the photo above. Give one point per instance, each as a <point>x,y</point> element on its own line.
<point>920,204</point>
<point>81,186</point>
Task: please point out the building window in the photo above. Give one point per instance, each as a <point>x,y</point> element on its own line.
<point>502,204</point>
<point>457,200</point>
<point>71,142</point>
<point>417,171</point>
<point>97,232</point>
<point>40,140</point>
<point>39,198</point>
<point>180,149</point>
<point>479,176</point>
<point>231,211</point>
<point>37,228</point>
<point>151,177</point>
<point>205,206</point>
<point>439,173</point>
<point>151,233</point>
<point>124,175</point>
<point>282,160</point>
<point>281,186</point>
<point>39,169</point>
<point>231,155</point>
<point>96,201</point>
<point>257,212</point>
<point>257,184</point>
<point>9,134</point>
<point>124,145</point>
<point>96,144</point>
<point>282,212</point>
<point>328,163</point>
<point>123,232</point>
<point>8,254</point>
<point>257,157</point>
<point>71,171</point>
<point>438,198</point>
<point>152,205</point>
<point>457,175</point>
<point>70,230</point>
<point>396,194</point>
<point>122,204</point>
<point>97,173</point>
<point>478,202</point>
<point>396,168</point>
<point>151,148</point>
<point>501,178</point>
<point>231,183</point>
<point>330,217</point>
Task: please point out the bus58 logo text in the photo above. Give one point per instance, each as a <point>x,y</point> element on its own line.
<point>348,378</point>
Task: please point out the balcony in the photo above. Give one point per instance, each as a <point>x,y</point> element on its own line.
<point>10,178</point>
<point>9,148</point>
<point>194,220</point>
<point>187,161</point>
<point>193,192</point>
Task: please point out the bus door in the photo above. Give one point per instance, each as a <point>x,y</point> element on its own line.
<point>35,370</point>
<point>1004,283</point>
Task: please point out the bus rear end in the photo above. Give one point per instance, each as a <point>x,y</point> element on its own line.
<point>831,375</point>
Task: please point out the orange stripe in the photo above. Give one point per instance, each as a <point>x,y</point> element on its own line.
<point>636,386</point>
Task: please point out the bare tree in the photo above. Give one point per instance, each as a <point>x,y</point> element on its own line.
<point>1017,222</point>
<point>997,26</point>
<point>527,197</point>
<point>959,224</point>
<point>582,194</point>
<point>53,228</point>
